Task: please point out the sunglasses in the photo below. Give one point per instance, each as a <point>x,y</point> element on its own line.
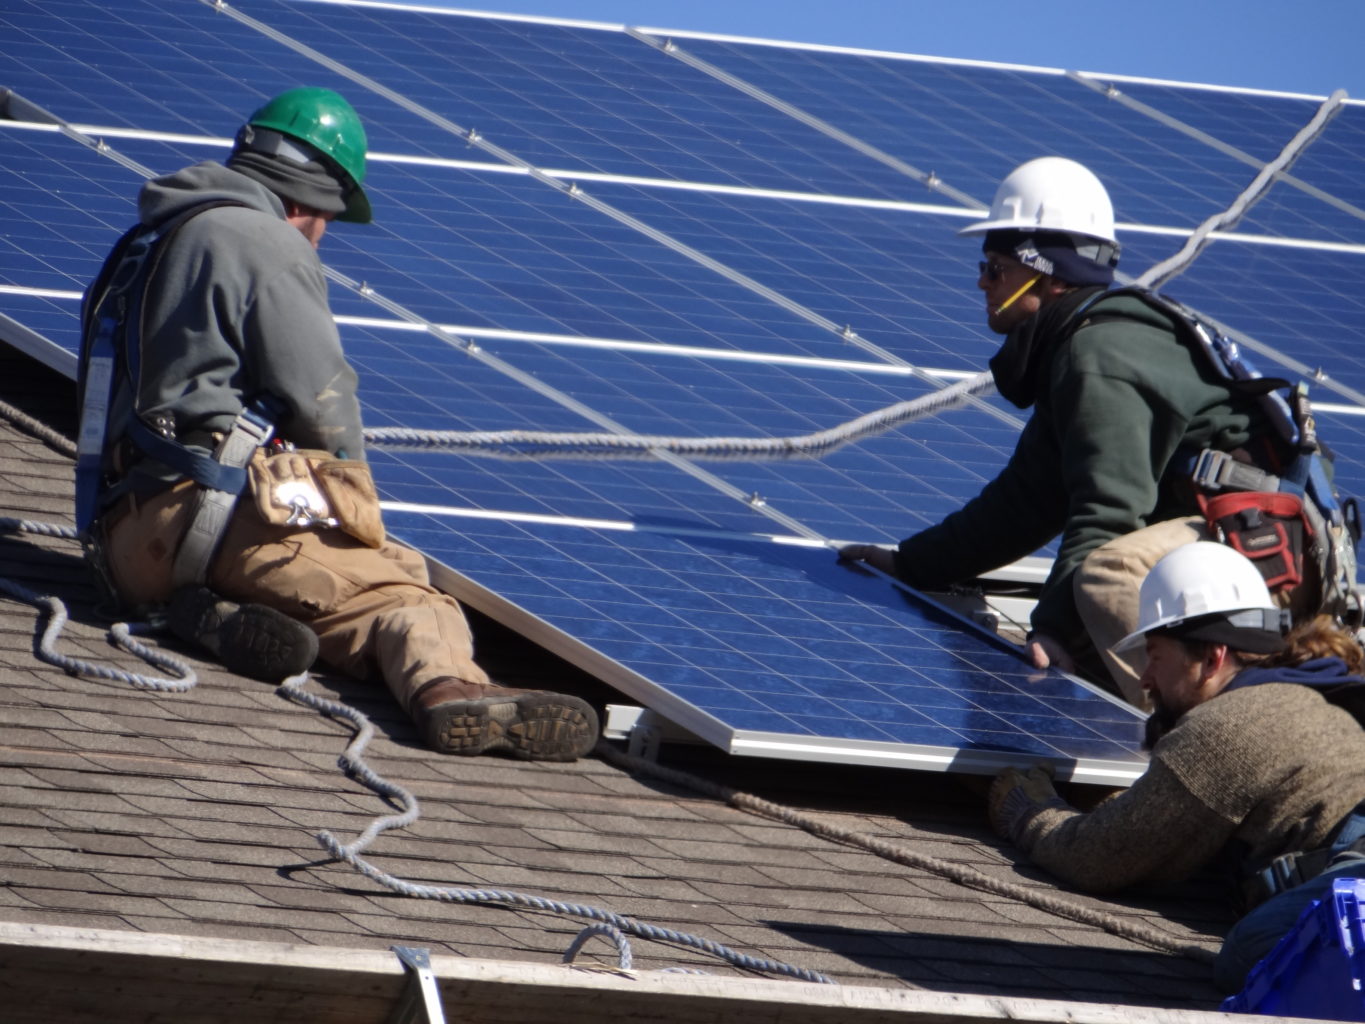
<point>991,270</point>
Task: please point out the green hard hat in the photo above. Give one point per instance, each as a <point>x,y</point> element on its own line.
<point>323,119</point>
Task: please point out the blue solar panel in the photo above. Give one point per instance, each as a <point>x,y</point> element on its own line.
<point>1260,125</point>
<point>1304,303</point>
<point>756,645</point>
<point>562,96</point>
<point>64,206</point>
<point>768,640</point>
<point>971,124</point>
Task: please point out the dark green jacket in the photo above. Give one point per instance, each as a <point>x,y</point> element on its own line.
<point>1115,400</point>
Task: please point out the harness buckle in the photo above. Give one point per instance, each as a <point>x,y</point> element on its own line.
<point>1218,471</point>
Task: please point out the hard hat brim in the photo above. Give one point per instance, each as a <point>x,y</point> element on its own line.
<point>1138,636</point>
<point>984,227</point>
<point>1133,639</point>
<point>357,208</point>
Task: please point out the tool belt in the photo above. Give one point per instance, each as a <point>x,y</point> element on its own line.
<point>1297,547</point>
<point>302,489</point>
<point>1289,870</point>
<point>1270,529</point>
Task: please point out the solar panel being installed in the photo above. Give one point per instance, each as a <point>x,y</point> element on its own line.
<point>736,256</point>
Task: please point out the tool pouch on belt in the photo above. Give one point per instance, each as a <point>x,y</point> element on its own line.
<point>311,488</point>
<point>1270,528</point>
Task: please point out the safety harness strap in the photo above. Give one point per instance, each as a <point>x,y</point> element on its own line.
<point>99,389</point>
<point>105,310</point>
<point>111,321</point>
<point>213,504</point>
<point>1293,869</point>
<point>205,470</point>
<point>1218,471</point>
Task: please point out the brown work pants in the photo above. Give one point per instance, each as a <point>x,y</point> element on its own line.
<point>1106,588</point>
<point>374,609</point>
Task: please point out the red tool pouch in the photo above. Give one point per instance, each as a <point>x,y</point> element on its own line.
<point>1268,527</point>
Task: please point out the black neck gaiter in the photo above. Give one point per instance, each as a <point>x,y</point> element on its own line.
<point>1018,366</point>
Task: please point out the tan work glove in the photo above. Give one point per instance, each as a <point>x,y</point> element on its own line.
<point>1017,796</point>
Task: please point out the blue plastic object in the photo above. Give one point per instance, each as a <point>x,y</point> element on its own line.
<point>1316,970</point>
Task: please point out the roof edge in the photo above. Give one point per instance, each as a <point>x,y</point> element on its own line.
<point>53,972</point>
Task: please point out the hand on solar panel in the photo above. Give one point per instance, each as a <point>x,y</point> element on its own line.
<point>874,555</point>
<point>1046,652</point>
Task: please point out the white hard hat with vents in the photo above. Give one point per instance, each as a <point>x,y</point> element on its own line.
<point>1050,193</point>
<point>1203,580</point>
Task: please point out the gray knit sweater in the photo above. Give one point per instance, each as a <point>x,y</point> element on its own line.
<point>1274,766</point>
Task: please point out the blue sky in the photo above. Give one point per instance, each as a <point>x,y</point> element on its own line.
<point>1308,46</point>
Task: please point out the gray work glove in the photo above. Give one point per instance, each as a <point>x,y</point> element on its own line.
<point>1016,797</point>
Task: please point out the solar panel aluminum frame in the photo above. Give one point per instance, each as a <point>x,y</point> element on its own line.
<point>697,723</point>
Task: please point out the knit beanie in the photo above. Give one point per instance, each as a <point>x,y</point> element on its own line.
<point>312,184</point>
<point>1075,259</point>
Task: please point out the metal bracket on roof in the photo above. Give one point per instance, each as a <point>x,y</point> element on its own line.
<point>645,737</point>
<point>643,730</point>
<point>421,1002</point>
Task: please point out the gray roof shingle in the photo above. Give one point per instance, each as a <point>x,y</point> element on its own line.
<point>195,814</point>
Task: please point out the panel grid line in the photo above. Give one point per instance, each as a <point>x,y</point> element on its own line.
<point>925,178</point>
<point>1111,92</point>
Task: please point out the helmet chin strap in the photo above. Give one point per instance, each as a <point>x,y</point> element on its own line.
<point>1037,276</point>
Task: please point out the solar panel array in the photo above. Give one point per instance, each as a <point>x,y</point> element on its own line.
<point>586,228</point>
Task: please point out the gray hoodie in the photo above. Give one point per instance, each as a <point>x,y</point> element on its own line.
<point>237,306</point>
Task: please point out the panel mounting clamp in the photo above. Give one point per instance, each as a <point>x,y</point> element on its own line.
<point>420,1002</point>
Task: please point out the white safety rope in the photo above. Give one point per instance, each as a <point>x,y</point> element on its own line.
<point>1176,264</point>
<point>121,634</point>
<point>541,444</point>
<point>352,762</point>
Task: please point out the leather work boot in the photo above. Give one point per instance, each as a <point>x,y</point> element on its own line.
<point>250,640</point>
<point>459,717</point>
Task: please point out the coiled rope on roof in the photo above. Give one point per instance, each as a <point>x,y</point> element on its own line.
<point>352,761</point>
<point>122,634</point>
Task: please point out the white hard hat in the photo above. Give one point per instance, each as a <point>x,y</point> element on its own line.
<point>1203,579</point>
<point>1050,193</point>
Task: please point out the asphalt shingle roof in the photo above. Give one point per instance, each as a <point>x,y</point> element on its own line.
<point>195,814</point>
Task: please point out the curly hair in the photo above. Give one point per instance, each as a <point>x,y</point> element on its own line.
<point>1317,638</point>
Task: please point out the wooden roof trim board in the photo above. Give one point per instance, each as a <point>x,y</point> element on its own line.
<point>130,976</point>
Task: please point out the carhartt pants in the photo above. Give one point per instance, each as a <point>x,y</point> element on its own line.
<point>1106,588</point>
<point>373,609</point>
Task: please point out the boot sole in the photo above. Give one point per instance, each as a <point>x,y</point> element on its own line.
<point>530,726</point>
<point>263,643</point>
<point>251,640</point>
